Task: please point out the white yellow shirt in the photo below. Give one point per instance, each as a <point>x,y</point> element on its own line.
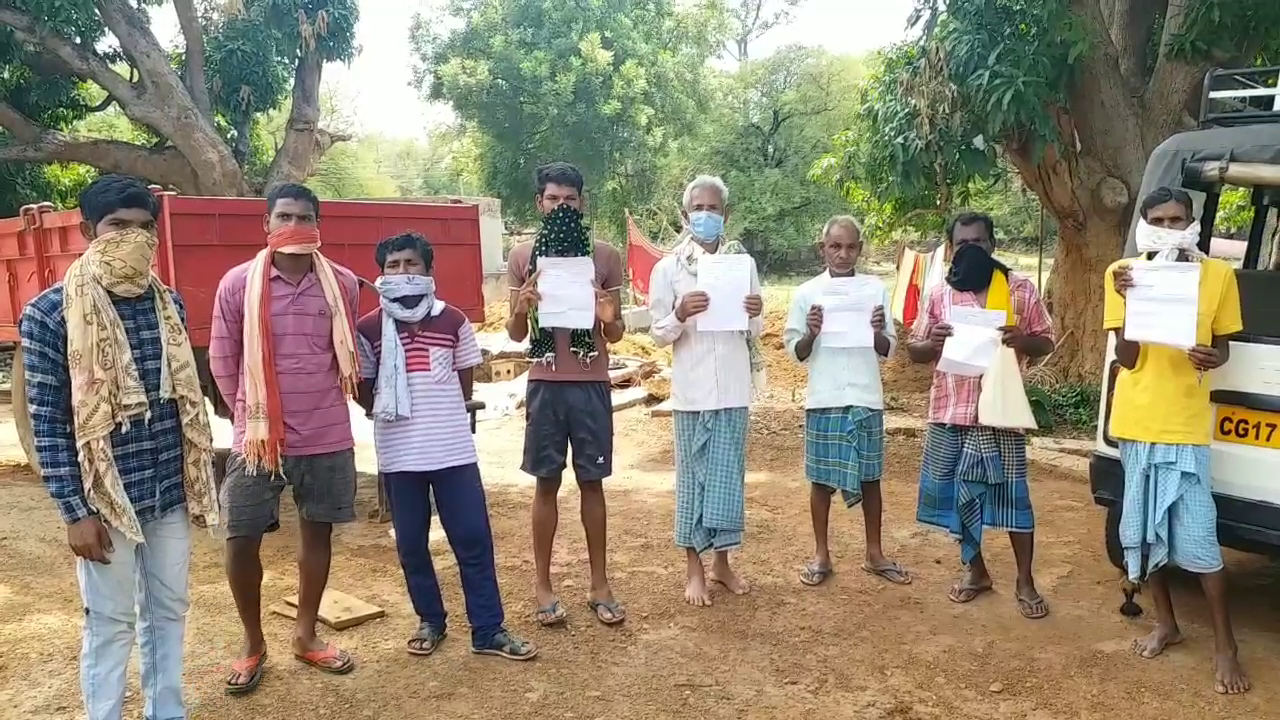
<point>710,370</point>
<point>838,377</point>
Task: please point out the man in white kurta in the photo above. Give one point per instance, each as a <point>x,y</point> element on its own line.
<point>712,379</point>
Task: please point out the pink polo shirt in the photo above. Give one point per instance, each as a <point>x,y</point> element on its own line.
<point>317,418</point>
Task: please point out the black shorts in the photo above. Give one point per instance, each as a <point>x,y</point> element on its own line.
<point>561,414</point>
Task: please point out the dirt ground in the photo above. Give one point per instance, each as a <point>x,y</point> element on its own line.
<point>854,648</point>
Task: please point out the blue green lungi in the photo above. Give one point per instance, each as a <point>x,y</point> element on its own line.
<point>844,448</point>
<point>711,471</point>
<point>974,476</point>
<point>1168,513</point>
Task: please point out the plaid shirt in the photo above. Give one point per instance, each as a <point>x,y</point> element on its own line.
<point>148,454</point>
<point>953,399</point>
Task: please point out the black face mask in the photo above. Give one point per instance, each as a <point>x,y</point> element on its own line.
<point>971,269</point>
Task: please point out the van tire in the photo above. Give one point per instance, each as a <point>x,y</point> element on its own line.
<point>1115,551</point>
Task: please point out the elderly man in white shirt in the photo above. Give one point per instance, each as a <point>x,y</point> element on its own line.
<point>844,408</point>
<point>713,377</point>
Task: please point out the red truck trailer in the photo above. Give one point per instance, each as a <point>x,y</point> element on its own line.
<point>201,238</point>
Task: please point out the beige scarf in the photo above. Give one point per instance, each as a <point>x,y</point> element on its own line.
<point>106,390</point>
<point>264,415</point>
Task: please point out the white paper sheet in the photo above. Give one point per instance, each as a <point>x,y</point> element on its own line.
<point>977,317</point>
<point>726,279</point>
<point>1162,307</point>
<point>847,304</point>
<point>568,297</point>
<point>970,350</point>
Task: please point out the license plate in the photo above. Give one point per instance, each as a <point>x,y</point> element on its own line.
<point>1247,427</point>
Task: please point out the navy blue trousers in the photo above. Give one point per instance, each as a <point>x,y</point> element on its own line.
<point>460,502</point>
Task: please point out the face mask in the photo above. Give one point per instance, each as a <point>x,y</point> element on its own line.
<point>706,225</point>
<point>971,269</point>
<point>1168,243</point>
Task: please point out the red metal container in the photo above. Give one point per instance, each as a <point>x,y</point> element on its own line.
<point>201,238</point>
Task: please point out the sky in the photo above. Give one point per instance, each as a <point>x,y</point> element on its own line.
<point>376,84</point>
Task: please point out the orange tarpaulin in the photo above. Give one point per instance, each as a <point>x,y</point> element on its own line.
<point>642,256</point>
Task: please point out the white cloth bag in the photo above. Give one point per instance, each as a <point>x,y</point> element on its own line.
<point>1003,401</point>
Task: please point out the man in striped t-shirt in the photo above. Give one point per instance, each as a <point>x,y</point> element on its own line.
<point>416,358</point>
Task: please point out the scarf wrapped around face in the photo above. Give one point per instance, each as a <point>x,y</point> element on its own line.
<point>973,269</point>
<point>1168,244</point>
<point>391,402</point>
<point>687,252</point>
<point>106,389</point>
<point>562,235</point>
<point>264,416</point>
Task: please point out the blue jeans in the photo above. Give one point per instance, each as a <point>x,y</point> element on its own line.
<point>459,497</point>
<point>145,584</point>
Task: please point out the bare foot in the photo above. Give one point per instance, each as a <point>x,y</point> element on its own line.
<point>724,574</point>
<point>1155,643</point>
<point>1229,677</point>
<point>696,592</point>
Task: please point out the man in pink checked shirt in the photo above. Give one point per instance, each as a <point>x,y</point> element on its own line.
<point>305,367</point>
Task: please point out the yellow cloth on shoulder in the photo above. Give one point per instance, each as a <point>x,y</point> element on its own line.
<point>998,296</point>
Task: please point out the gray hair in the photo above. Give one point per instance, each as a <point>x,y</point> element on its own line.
<point>847,222</point>
<point>706,181</point>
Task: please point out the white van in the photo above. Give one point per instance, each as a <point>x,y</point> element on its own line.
<point>1239,147</point>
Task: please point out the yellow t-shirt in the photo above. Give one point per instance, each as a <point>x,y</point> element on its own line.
<point>1162,399</point>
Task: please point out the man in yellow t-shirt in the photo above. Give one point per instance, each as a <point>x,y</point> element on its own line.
<point>1162,418</point>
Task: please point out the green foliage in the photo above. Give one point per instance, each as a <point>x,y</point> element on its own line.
<point>771,122</point>
<point>251,50</point>
<point>1235,213</point>
<point>1064,406</point>
<point>608,85</point>
<point>933,108</point>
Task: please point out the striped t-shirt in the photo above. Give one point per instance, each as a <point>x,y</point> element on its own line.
<point>438,435</point>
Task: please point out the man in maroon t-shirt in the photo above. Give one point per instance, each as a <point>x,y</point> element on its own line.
<point>568,403</point>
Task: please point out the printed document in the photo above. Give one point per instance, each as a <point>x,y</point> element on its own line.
<point>567,295</point>
<point>1163,305</point>
<point>847,304</point>
<point>726,279</point>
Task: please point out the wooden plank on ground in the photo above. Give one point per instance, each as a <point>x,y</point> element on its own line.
<point>629,397</point>
<point>662,409</point>
<point>339,610</point>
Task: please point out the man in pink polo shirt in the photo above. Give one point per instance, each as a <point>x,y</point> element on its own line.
<point>294,287</point>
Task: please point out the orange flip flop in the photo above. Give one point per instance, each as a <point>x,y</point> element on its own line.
<point>323,660</point>
<point>250,667</point>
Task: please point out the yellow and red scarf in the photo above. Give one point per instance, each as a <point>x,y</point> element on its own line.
<point>264,415</point>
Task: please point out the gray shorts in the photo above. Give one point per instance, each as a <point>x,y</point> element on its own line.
<point>324,490</point>
<point>564,414</point>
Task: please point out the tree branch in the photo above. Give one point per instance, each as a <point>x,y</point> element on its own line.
<point>37,144</point>
<point>1172,81</point>
<point>80,60</point>
<point>193,34</point>
<point>1131,25</point>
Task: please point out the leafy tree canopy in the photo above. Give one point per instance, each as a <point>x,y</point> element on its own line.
<point>194,107</point>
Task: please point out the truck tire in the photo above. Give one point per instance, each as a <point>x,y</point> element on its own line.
<point>1115,551</point>
<point>21,415</point>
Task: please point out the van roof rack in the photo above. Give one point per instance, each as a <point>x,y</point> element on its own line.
<point>1244,96</point>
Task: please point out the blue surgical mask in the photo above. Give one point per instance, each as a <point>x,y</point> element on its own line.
<point>706,225</point>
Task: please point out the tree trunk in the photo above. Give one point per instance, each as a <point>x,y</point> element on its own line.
<point>1075,294</point>
<point>303,138</point>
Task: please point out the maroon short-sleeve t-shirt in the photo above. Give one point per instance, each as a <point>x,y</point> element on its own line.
<point>567,367</point>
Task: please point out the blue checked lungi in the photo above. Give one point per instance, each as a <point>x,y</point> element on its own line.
<point>971,477</point>
<point>1168,513</point>
<point>843,448</point>
<point>711,472</point>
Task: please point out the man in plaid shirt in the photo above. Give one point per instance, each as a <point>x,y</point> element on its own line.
<point>975,476</point>
<point>117,573</point>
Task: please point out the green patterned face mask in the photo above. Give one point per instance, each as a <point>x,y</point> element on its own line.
<point>562,235</point>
